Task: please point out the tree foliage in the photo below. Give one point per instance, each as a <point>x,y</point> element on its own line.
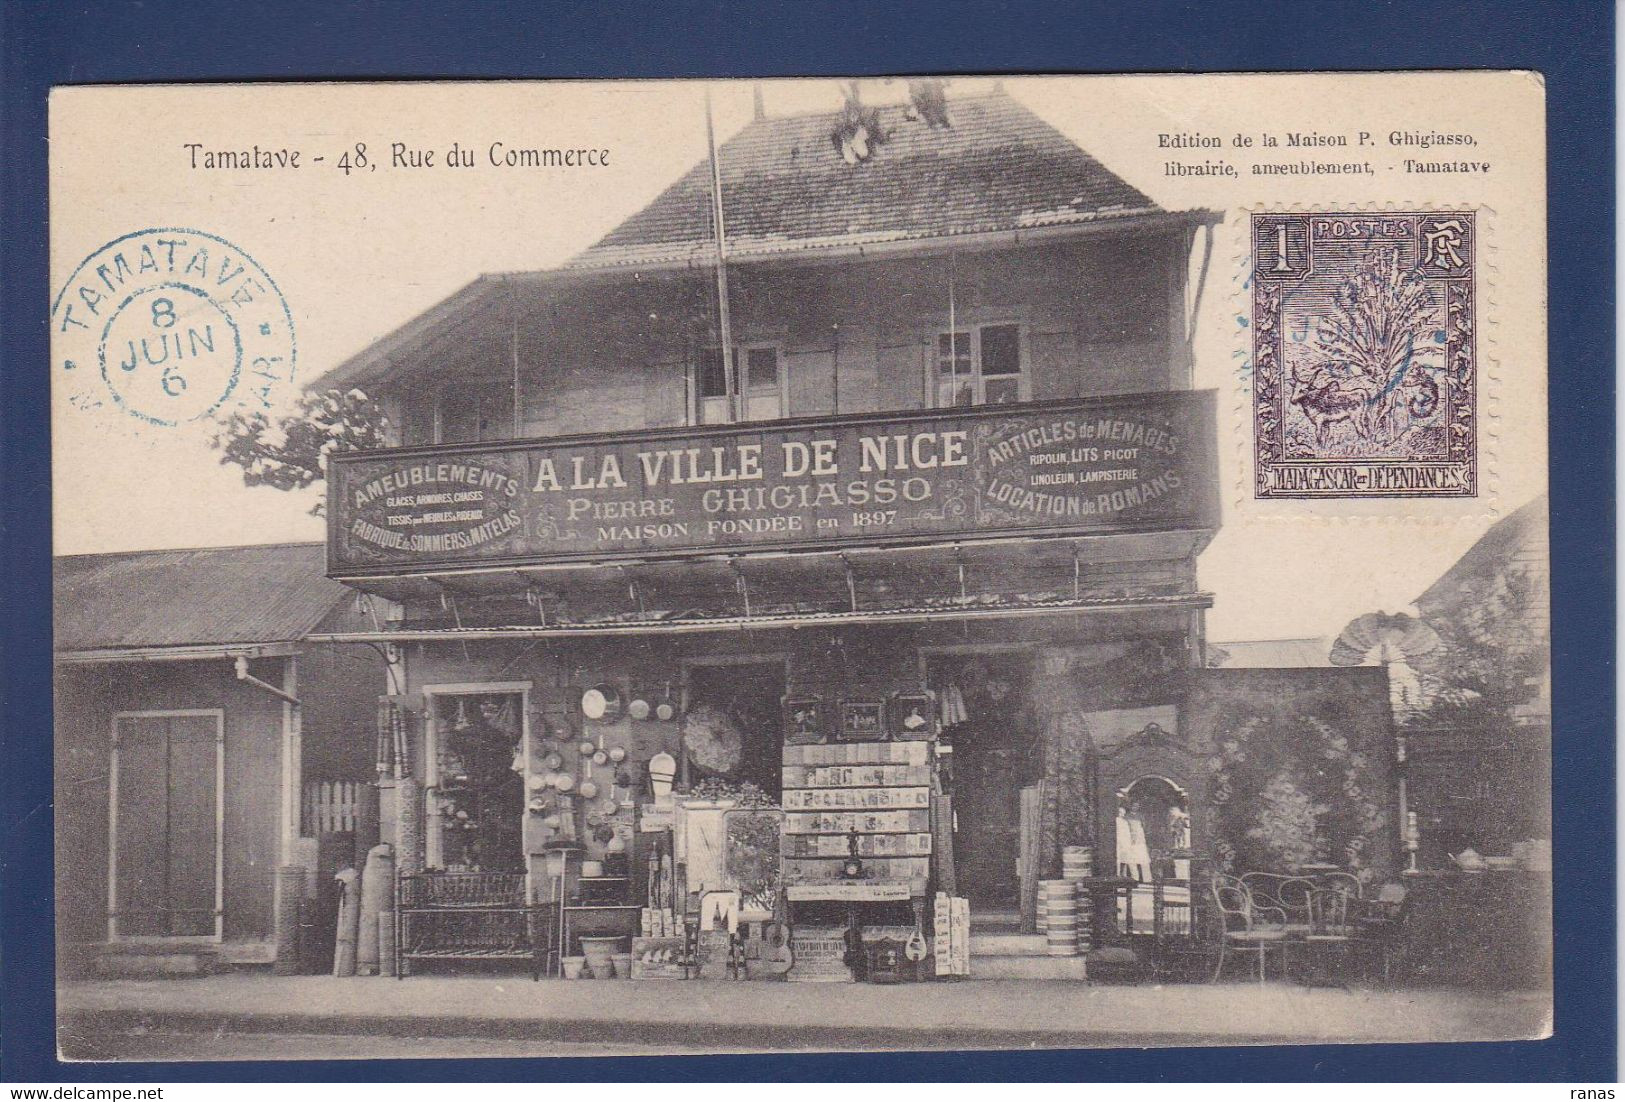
<point>1383,309</point>
<point>1492,661</point>
<point>1375,343</point>
<point>290,452</point>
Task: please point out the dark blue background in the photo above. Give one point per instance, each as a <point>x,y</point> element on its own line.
<point>1570,43</point>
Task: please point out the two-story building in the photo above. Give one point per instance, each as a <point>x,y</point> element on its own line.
<point>922,460</point>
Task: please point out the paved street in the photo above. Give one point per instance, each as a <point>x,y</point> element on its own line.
<point>318,1016</point>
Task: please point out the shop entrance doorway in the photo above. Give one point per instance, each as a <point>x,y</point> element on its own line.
<point>476,799</point>
<point>987,715</point>
<point>731,721</point>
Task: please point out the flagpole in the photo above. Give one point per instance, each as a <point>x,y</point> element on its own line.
<point>725,325</point>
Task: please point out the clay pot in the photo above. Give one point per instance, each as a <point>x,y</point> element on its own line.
<point>599,952</point>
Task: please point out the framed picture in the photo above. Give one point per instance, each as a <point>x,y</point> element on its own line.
<point>805,720</point>
<point>911,716</point>
<point>862,721</point>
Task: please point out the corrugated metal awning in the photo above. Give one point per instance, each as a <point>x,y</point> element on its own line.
<point>221,597</point>
<point>774,621</point>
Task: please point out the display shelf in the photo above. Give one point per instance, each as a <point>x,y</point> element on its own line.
<point>602,907</point>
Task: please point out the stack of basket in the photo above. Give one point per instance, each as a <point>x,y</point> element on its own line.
<point>1058,913</point>
<point>1077,865</point>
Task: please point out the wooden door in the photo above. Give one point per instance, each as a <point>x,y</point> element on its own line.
<point>988,778</point>
<point>166,825</point>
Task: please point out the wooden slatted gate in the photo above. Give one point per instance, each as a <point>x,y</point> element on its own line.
<point>330,807</point>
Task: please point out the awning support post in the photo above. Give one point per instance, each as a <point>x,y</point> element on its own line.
<point>635,591</point>
<point>741,584</point>
<point>533,597</point>
<point>851,582</point>
<point>1077,573</point>
<point>448,600</point>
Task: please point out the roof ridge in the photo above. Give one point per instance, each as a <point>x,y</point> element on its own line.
<point>992,93</point>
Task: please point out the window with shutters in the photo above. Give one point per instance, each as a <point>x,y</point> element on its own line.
<point>980,365</point>
<point>758,392</point>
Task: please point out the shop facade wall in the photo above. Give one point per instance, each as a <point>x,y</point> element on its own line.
<point>87,698</point>
<point>1102,316</point>
<point>1070,657</point>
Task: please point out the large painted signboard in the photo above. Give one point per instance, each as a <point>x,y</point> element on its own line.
<point>1118,464</point>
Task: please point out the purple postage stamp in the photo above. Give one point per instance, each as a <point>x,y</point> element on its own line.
<point>1364,361</point>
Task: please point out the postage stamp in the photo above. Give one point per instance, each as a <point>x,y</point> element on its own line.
<point>1364,356</point>
<point>172,326</point>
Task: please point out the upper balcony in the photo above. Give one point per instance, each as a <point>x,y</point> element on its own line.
<point>542,355</point>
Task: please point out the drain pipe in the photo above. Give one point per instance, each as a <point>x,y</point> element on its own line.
<point>244,675</point>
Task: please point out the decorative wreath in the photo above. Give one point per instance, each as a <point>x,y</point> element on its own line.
<point>713,740</point>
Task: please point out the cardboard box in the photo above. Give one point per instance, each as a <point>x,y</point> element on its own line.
<point>820,954</point>
<point>656,970</point>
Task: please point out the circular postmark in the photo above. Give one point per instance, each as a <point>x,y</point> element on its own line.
<point>172,326</point>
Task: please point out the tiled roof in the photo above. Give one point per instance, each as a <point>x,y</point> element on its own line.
<point>202,596</point>
<point>786,187</point>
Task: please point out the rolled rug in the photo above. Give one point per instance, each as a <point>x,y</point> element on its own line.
<point>349,921</point>
<point>377,888</point>
<point>386,943</point>
<point>290,891</point>
<point>409,827</point>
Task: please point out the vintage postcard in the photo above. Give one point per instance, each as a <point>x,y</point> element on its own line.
<point>553,568</point>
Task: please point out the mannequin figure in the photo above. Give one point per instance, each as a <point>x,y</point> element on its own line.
<point>1133,857</point>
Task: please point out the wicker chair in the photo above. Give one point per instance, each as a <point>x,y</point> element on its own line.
<point>1250,928</point>
<point>1289,894</point>
<point>1333,936</point>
